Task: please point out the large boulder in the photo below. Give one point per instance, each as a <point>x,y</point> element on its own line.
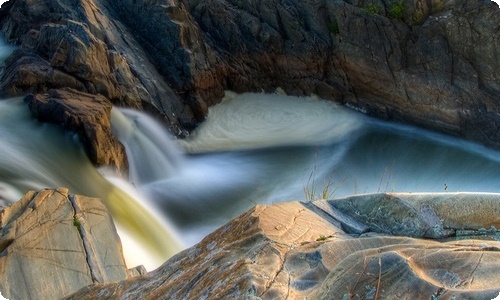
<point>319,251</point>
<point>53,243</point>
<point>87,115</point>
<point>429,63</point>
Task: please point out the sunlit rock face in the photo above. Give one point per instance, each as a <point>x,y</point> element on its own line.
<point>53,243</point>
<point>321,250</point>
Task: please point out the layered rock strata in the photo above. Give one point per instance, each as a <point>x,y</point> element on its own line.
<point>53,243</point>
<point>338,249</point>
<point>429,63</point>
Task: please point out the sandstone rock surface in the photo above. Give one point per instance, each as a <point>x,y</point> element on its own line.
<point>298,250</point>
<point>429,63</point>
<point>53,243</point>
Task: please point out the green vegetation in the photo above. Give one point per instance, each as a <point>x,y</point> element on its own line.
<point>77,223</point>
<point>321,238</point>
<point>334,26</point>
<point>372,8</point>
<point>397,10</point>
<point>437,7</point>
<point>327,191</point>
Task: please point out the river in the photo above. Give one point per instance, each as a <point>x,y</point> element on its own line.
<point>252,149</point>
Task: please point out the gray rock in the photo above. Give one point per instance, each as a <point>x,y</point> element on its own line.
<point>434,66</point>
<point>53,243</point>
<point>422,215</point>
<point>86,47</point>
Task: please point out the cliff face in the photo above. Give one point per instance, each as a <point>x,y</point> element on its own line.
<point>429,63</point>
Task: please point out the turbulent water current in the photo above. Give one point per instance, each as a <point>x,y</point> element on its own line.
<point>253,148</point>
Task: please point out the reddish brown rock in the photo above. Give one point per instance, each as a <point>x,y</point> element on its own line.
<point>87,115</point>
<point>85,47</point>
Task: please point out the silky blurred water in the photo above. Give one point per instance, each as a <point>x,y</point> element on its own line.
<point>261,148</point>
<point>252,149</point>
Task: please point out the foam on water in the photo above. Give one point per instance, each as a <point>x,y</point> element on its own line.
<point>256,121</point>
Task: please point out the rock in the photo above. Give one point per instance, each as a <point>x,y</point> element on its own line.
<point>85,47</point>
<point>53,243</point>
<point>87,115</point>
<point>421,67</point>
<point>431,64</point>
<point>422,215</point>
<point>27,72</point>
<point>295,251</point>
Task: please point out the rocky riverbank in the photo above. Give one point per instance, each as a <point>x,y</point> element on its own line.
<point>429,63</point>
<point>432,63</point>
<point>376,246</point>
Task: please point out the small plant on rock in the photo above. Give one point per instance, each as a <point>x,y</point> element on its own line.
<point>397,10</point>
<point>321,238</point>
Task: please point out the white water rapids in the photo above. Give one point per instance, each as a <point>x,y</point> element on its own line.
<point>253,148</point>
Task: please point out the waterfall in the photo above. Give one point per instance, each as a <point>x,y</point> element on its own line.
<point>151,153</point>
<point>252,149</point>
<point>36,155</point>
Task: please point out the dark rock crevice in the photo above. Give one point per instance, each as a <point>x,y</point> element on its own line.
<point>78,218</point>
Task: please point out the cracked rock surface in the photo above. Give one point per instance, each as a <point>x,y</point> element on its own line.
<point>53,243</point>
<point>328,250</point>
<point>435,65</point>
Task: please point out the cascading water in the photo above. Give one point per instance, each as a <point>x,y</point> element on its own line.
<point>253,148</point>
<point>257,148</point>
<point>36,155</point>
<point>151,153</point>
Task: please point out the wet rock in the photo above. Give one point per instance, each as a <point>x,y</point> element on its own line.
<point>296,251</point>
<point>420,67</point>
<point>87,115</point>
<point>53,243</point>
